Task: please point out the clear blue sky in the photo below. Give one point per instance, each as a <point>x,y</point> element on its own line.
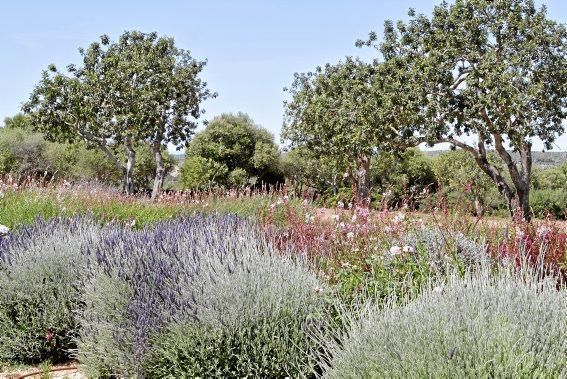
<point>253,47</point>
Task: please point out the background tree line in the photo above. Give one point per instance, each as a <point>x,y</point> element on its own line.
<point>234,152</point>
<point>489,78</point>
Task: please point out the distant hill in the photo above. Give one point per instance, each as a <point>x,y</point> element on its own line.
<point>541,159</point>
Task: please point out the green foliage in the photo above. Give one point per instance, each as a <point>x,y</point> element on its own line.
<point>407,173</point>
<point>476,326</point>
<point>198,173</point>
<point>236,143</point>
<point>493,69</point>
<point>549,202</point>
<point>554,178</point>
<point>461,179</point>
<point>304,171</point>
<point>139,89</point>
<point>341,112</point>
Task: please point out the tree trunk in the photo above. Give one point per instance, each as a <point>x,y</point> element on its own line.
<point>363,179</point>
<point>129,169</point>
<point>160,170</point>
<point>520,207</point>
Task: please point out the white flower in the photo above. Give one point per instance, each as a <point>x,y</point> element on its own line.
<point>395,250</point>
<point>408,249</point>
<point>309,218</point>
<point>350,235</point>
<point>4,230</point>
<point>318,289</point>
<point>388,229</point>
<point>399,217</point>
<point>353,219</point>
<point>340,205</point>
<point>335,218</point>
<point>438,289</point>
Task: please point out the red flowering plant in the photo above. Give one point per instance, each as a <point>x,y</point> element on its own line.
<point>539,244</point>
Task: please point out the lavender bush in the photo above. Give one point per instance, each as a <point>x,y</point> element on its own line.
<point>41,269</point>
<point>479,325</point>
<point>197,297</point>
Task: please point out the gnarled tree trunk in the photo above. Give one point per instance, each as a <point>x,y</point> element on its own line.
<point>129,169</point>
<point>362,184</point>
<point>160,170</point>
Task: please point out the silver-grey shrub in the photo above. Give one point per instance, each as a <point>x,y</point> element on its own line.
<point>446,249</point>
<point>203,296</point>
<point>41,270</point>
<point>476,326</point>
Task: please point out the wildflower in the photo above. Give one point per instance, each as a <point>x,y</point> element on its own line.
<point>318,289</point>
<point>342,225</point>
<point>395,250</point>
<point>363,212</point>
<point>353,219</point>
<point>388,229</point>
<point>345,265</point>
<point>340,205</point>
<point>272,206</point>
<point>4,230</point>
<point>438,289</point>
<point>335,218</point>
<point>49,336</point>
<point>309,218</point>
<point>399,217</point>
<point>408,249</point>
<point>350,235</point>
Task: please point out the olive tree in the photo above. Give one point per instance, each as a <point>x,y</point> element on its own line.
<point>482,74</point>
<point>341,111</point>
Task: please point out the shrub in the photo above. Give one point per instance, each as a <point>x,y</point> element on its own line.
<point>40,285</point>
<point>476,326</point>
<point>544,202</point>
<point>212,278</point>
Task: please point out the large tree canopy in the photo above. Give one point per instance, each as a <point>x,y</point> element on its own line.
<point>140,89</point>
<point>342,111</point>
<point>492,70</point>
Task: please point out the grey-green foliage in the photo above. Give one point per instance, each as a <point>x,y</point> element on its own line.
<point>476,326</point>
<point>198,297</point>
<point>440,249</point>
<point>40,286</point>
<point>262,334</point>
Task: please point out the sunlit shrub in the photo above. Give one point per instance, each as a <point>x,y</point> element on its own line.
<point>215,278</point>
<point>478,326</point>
<point>41,268</point>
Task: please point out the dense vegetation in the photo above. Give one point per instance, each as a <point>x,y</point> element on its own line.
<point>347,253</point>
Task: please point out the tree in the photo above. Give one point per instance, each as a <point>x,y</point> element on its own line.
<point>495,71</point>
<point>458,172</point>
<point>198,173</point>
<point>233,140</point>
<point>139,89</point>
<point>404,175</point>
<point>340,111</point>
<point>164,93</point>
<point>303,170</point>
